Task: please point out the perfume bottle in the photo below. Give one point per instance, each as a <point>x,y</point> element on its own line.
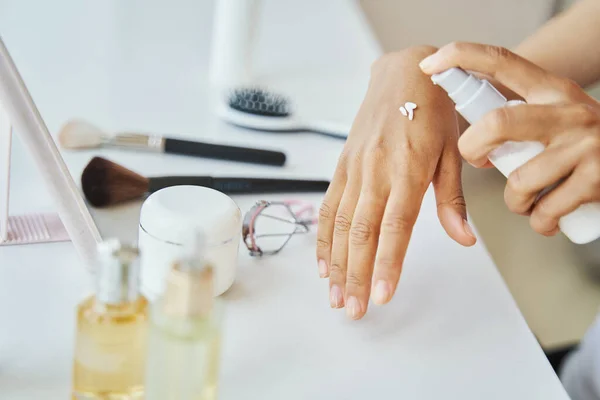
<point>184,334</point>
<point>111,330</point>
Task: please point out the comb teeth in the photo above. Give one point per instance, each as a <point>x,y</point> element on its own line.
<point>34,228</point>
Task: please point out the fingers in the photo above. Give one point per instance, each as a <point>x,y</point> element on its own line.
<point>327,214</point>
<point>364,236</point>
<point>516,73</point>
<point>540,123</point>
<point>544,170</point>
<point>583,186</point>
<point>398,219</point>
<point>451,206</point>
<point>339,250</point>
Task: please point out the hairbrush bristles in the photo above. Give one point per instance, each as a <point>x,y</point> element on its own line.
<point>258,101</point>
<point>105,183</point>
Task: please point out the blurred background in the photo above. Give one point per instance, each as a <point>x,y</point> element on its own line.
<point>555,283</point>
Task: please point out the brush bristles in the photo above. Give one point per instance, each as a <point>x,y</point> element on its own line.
<point>79,135</point>
<point>259,101</point>
<point>106,183</point>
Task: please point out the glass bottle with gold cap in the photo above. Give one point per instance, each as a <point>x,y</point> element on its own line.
<point>111,330</point>
<point>184,334</point>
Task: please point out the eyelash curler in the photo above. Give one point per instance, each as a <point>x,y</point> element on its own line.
<point>296,214</point>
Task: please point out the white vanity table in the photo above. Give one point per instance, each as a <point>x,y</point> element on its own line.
<point>452,331</point>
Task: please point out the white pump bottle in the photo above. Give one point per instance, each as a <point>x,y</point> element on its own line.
<point>474,98</point>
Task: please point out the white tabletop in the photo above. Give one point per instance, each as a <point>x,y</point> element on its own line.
<point>452,331</point>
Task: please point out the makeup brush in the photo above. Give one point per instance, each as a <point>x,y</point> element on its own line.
<point>106,183</point>
<point>77,134</point>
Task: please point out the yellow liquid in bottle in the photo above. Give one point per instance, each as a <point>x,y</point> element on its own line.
<point>183,358</point>
<point>110,351</point>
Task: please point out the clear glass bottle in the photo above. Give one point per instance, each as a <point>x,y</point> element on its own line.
<point>184,335</point>
<point>112,326</point>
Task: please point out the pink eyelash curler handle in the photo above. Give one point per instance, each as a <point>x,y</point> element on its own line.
<point>304,208</point>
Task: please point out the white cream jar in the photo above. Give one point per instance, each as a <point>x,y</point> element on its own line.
<point>170,213</point>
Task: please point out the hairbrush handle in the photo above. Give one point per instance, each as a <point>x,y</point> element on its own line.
<point>331,129</point>
<point>241,185</point>
<point>224,152</point>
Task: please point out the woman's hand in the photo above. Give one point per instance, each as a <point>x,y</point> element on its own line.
<point>387,164</point>
<point>559,114</point>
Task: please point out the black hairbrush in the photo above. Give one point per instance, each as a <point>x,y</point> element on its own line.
<point>259,109</point>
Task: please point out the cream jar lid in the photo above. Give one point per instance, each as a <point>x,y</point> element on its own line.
<point>169,213</point>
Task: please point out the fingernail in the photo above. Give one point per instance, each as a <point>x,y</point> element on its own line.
<point>323,269</point>
<point>427,62</point>
<point>381,294</point>
<point>353,309</point>
<point>468,229</point>
<point>336,298</point>
<point>478,163</point>
<point>551,232</point>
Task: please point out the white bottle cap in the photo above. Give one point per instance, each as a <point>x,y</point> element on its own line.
<point>172,213</point>
<point>450,80</point>
<point>473,97</point>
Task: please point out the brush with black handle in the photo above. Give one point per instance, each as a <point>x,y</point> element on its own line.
<point>106,183</point>
<point>77,134</point>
